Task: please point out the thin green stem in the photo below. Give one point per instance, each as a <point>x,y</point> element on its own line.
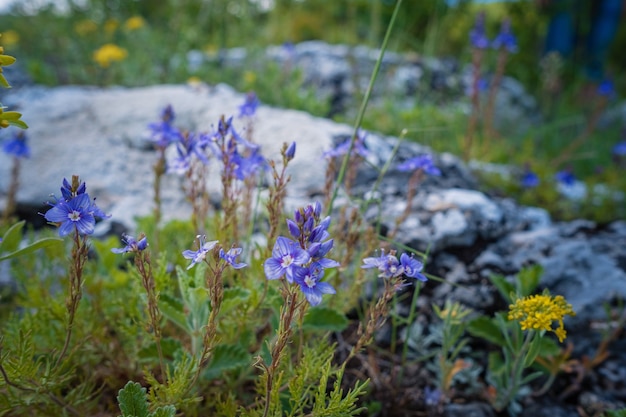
<point>361,113</point>
<point>516,369</point>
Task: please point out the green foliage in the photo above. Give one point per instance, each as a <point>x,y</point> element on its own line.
<point>324,319</point>
<point>9,245</point>
<point>616,413</point>
<point>134,403</point>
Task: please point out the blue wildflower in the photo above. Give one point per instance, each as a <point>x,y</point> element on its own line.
<point>477,36</point>
<point>529,179</point>
<point>230,257</point>
<point>203,249</point>
<point>163,133</point>
<point>286,254</point>
<point>304,260</point>
<point>505,39</point>
<point>290,153</point>
<point>309,279</point>
<point>606,88</point>
<point>432,396</point>
<point>247,166</point>
<point>17,146</point>
<point>423,162</point>
<point>389,266</point>
<point>69,191</point>
<point>565,177</point>
<point>411,267</point>
<point>342,149</point>
<point>191,146</point>
<point>248,108</point>
<point>132,245</point>
<point>76,213</point>
<point>482,85</point>
<point>620,149</point>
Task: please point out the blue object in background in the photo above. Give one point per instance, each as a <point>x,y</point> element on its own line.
<point>563,33</point>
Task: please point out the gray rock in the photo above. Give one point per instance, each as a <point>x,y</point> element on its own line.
<point>94,133</point>
<point>468,410</point>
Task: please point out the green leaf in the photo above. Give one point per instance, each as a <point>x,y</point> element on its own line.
<point>234,297</point>
<point>18,123</point>
<point>227,358</point>
<point>12,237</point>
<point>173,309</point>
<point>324,319</point>
<point>169,347</point>
<point>504,287</point>
<point>3,82</point>
<point>533,350</point>
<point>528,280</point>
<point>166,411</point>
<point>496,363</point>
<point>616,413</point>
<point>42,243</point>
<point>6,60</point>
<point>487,329</point>
<point>132,400</point>
<point>11,115</point>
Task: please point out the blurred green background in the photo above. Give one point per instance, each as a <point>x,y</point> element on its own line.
<point>56,46</point>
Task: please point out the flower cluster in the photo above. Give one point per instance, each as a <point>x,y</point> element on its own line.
<point>390,267</point>
<point>539,312</point>
<point>423,162</point>
<point>529,179</point>
<point>565,177</point>
<point>163,133</point>
<point>109,53</point>
<point>358,148</point>
<point>75,210</point>
<point>477,35</point>
<point>241,157</point>
<point>505,39</point>
<point>17,146</point>
<point>191,146</point>
<point>204,247</point>
<point>302,259</point>
<point>248,108</point>
<point>132,245</point>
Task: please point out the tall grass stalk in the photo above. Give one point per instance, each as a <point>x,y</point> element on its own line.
<point>361,113</point>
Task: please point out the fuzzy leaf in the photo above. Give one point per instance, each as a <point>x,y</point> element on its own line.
<point>132,400</point>
<point>324,319</point>
<point>486,328</point>
<point>227,358</point>
<point>166,411</point>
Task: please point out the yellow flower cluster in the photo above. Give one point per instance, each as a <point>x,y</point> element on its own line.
<point>109,53</point>
<point>538,312</point>
<point>85,27</point>
<point>134,23</point>
<point>10,38</point>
